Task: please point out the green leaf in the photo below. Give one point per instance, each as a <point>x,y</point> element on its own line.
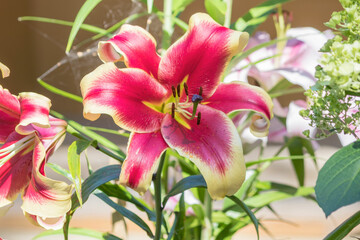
<point>84,11</point>
<point>74,151</point>
<point>74,128</point>
<point>241,193</point>
<point>86,27</point>
<point>99,177</point>
<point>79,231</point>
<point>343,229</point>
<point>185,184</point>
<point>180,223</point>
<point>126,213</point>
<point>295,147</point>
<point>248,212</point>
<point>120,192</point>
<point>180,5</point>
<point>257,15</point>
<point>338,183</point>
<point>263,199</point>
<point>216,9</point>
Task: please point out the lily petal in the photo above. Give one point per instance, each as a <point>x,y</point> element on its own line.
<point>214,146</point>
<point>144,151</point>
<point>35,110</point>
<point>15,171</point>
<point>130,96</point>
<point>5,71</point>
<point>240,96</point>
<point>133,45</point>
<point>9,113</point>
<point>45,197</point>
<point>201,55</point>
<point>295,124</point>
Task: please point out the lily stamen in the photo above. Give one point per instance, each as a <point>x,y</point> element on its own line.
<point>173,91</point>
<point>173,110</point>
<point>178,89</point>
<point>198,118</point>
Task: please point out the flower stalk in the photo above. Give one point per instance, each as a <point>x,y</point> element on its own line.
<point>158,207</point>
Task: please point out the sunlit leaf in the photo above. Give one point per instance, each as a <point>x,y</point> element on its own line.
<point>86,27</point>
<point>257,15</point>
<point>84,11</point>
<point>74,151</point>
<point>216,9</point>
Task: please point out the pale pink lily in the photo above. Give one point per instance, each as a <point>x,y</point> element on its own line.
<point>296,62</point>
<point>154,98</point>
<point>295,124</point>
<point>189,199</point>
<point>29,136</point>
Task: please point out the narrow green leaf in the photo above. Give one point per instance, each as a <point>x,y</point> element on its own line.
<point>86,27</point>
<point>74,151</point>
<point>338,182</point>
<point>263,199</point>
<point>126,213</point>
<point>92,136</point>
<point>242,191</point>
<point>59,91</point>
<point>257,15</point>
<point>79,231</point>
<point>56,168</point>
<point>248,212</point>
<point>216,9</point>
<point>84,11</point>
<point>180,224</point>
<point>184,184</point>
<point>343,229</point>
<point>99,177</point>
<point>120,192</point>
<point>296,148</point>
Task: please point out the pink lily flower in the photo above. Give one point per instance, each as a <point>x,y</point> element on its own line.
<point>29,136</point>
<point>177,101</point>
<point>189,199</point>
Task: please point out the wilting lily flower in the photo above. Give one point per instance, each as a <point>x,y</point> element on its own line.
<point>295,62</point>
<point>29,136</point>
<point>177,101</point>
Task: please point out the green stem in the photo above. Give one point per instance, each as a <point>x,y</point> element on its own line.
<point>158,207</point>
<point>286,92</point>
<point>228,13</point>
<point>90,135</point>
<point>207,230</point>
<point>168,25</point>
<point>59,91</point>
